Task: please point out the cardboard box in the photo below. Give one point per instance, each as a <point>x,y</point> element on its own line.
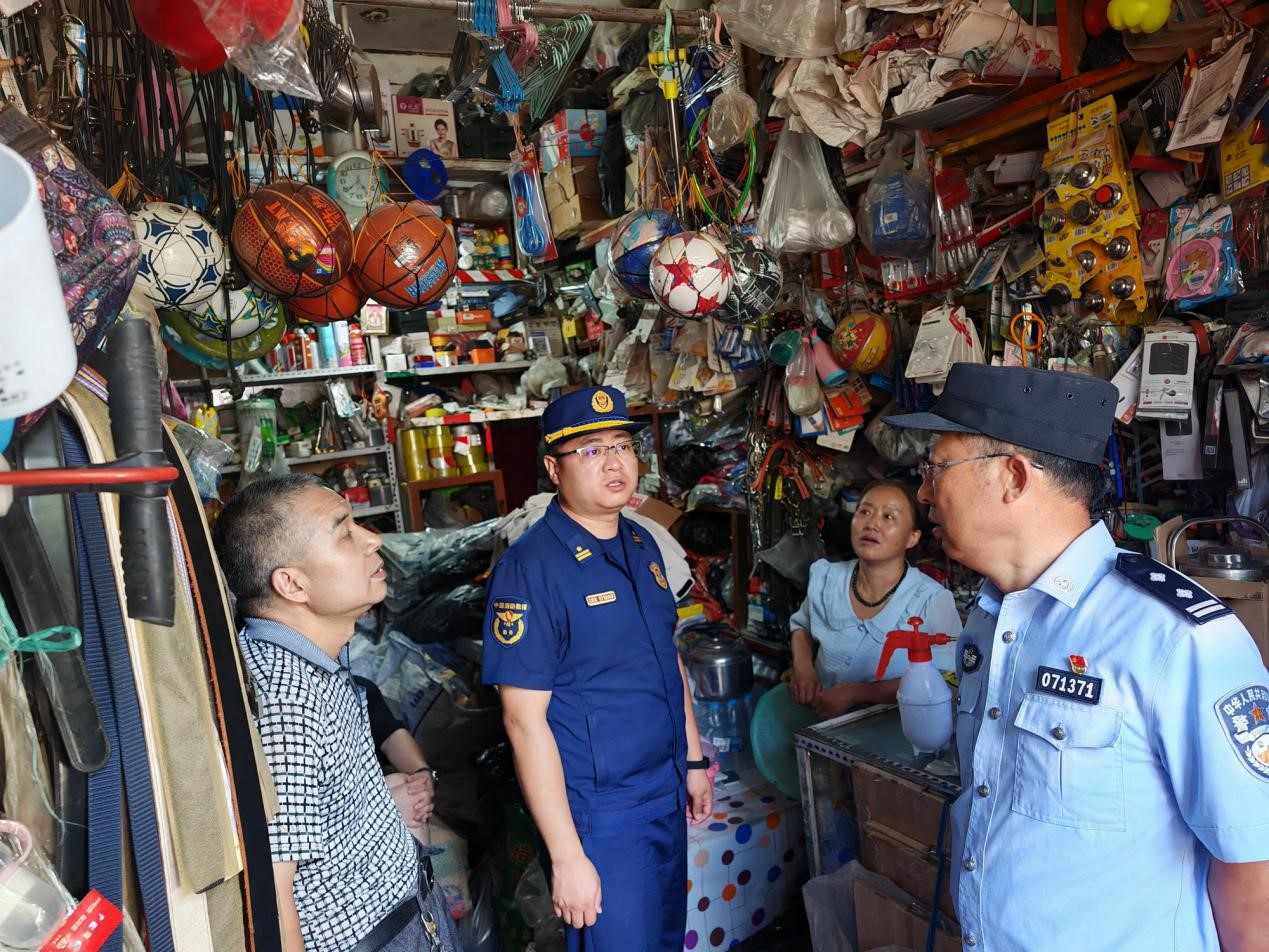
<point>424,124</point>
<point>573,134</point>
<point>883,921</point>
<point>289,136</point>
<point>543,336</point>
<point>662,513</point>
<point>1249,600</point>
<point>882,799</point>
<point>572,196</point>
<point>906,864</point>
<point>1243,159</point>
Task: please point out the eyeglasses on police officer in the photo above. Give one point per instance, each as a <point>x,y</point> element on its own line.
<point>929,470</point>
<point>599,451</point>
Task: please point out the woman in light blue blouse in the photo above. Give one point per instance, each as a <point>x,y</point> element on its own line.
<point>839,631</point>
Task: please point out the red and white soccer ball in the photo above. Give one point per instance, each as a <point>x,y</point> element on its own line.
<point>691,274</point>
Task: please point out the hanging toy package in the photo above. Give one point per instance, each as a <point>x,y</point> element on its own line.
<point>533,227</point>
<point>1203,264</point>
<point>895,210</point>
<point>801,211</point>
<point>262,38</point>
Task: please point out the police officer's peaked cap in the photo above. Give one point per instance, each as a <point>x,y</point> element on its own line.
<point>1068,415</point>
<point>582,412</point>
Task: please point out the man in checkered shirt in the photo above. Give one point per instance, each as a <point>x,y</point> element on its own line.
<point>346,868</point>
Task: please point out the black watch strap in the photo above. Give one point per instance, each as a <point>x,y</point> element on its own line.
<point>702,764</point>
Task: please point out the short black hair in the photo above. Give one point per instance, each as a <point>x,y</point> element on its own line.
<point>440,122</point>
<point>1083,482</point>
<point>255,534</point>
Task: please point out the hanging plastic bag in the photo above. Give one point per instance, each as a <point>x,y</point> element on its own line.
<point>731,116</point>
<point>801,211</point>
<point>801,384</point>
<point>895,210</point>
<point>262,38</point>
<point>800,29</point>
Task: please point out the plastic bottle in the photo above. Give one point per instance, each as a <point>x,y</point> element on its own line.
<point>326,346</point>
<point>925,700</point>
<point>356,345</point>
<point>502,248</point>
<point>801,384</point>
<point>343,356</point>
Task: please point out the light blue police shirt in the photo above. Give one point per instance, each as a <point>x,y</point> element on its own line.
<point>1093,803</point>
<point>850,646</point>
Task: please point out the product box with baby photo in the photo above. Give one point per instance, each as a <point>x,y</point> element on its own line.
<point>424,124</point>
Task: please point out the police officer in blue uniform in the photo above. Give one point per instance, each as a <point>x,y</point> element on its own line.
<point>579,636</point>
<point>1113,717</point>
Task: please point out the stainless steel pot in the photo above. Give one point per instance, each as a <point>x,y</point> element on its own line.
<point>721,667</point>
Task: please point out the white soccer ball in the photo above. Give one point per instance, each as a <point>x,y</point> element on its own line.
<point>182,261</point>
<point>691,274</point>
<point>248,308</point>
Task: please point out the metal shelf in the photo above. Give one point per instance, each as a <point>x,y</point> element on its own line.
<point>317,458</point>
<point>290,376</point>
<point>373,511</point>
<point>496,367</point>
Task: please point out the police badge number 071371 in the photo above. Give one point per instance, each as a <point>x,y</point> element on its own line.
<point>507,620</point>
<point>1244,714</point>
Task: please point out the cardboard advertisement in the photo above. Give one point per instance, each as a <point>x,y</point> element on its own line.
<point>424,124</point>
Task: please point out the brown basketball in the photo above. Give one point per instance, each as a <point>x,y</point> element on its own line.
<point>404,255</point>
<point>342,301</point>
<point>292,239</point>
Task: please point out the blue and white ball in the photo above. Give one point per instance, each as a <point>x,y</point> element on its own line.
<point>246,311</point>
<point>634,242</point>
<point>183,260</point>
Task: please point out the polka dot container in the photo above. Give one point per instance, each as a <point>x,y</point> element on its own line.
<point>743,863</point>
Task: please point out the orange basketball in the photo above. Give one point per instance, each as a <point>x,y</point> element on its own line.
<point>403,255</point>
<point>342,301</point>
<point>292,239</point>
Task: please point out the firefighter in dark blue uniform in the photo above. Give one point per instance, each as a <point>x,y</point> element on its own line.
<point>579,635</point>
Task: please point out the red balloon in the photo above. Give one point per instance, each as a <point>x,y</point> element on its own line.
<point>269,16</point>
<point>1095,22</point>
<point>176,25</point>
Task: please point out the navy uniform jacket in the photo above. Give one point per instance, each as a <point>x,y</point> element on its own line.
<point>1114,739</point>
<point>562,616</point>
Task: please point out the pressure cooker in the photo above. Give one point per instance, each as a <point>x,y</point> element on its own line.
<point>720,666</point>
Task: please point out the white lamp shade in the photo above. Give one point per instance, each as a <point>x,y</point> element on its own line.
<point>37,351</point>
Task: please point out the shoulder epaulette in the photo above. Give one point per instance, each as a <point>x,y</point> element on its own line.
<point>1170,586</point>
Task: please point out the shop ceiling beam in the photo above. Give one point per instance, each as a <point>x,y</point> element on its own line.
<point>554,11</point>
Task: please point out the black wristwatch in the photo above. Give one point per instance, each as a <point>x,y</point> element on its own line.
<point>702,764</point>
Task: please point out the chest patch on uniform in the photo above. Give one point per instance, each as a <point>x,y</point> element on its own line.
<point>1244,714</point>
<point>658,574</point>
<point>971,658</point>
<point>508,622</point>
<point>1068,686</point>
<point>1168,585</point>
<point>601,598</point>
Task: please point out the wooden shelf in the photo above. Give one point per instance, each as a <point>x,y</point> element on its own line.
<point>414,491</point>
<point>1029,110</point>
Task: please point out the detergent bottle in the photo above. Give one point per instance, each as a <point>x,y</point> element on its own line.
<point>925,700</point>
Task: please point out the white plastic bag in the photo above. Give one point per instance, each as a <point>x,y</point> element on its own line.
<point>793,28</point>
<point>801,211</point>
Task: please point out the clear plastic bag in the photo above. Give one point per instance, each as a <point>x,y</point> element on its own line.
<point>731,116</point>
<point>802,384</point>
<point>894,214</point>
<point>800,29</point>
<point>262,38</point>
<point>801,211</point>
